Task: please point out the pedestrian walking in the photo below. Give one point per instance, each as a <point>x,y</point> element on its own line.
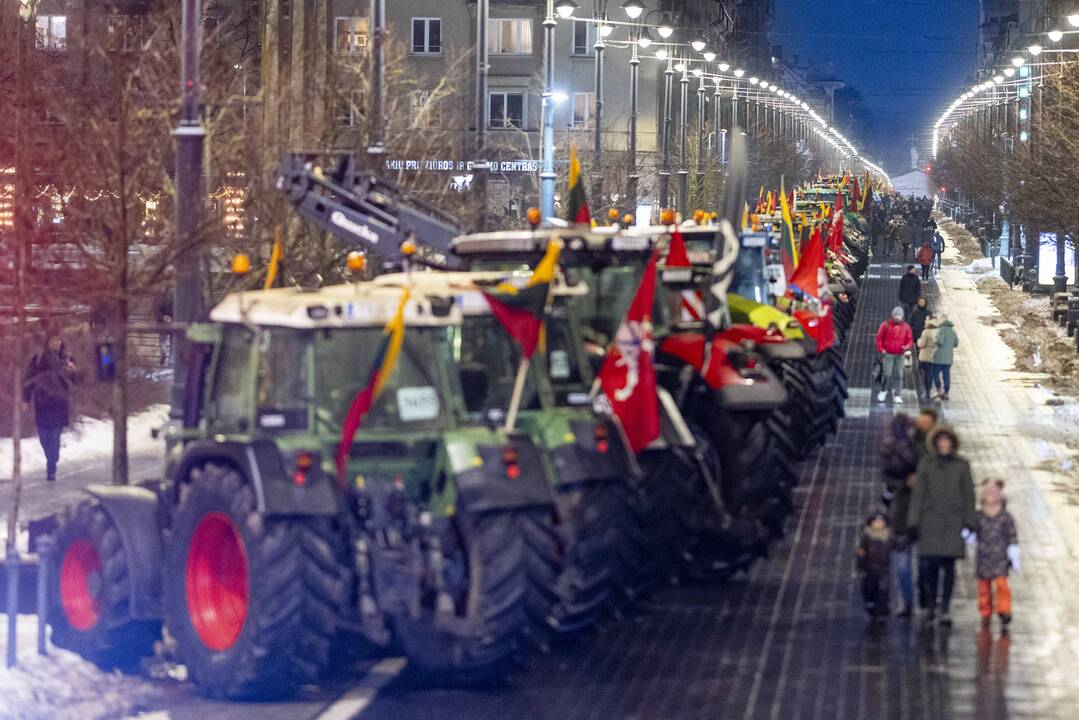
<point>903,448</point>
<point>919,315</point>
<point>927,349</point>
<point>946,342</point>
<point>47,386</point>
<point>874,555</point>
<point>997,546</point>
<point>941,506</point>
<point>938,249</point>
<point>894,340</point>
<point>907,237</point>
<point>925,259</point>
<point>910,289</point>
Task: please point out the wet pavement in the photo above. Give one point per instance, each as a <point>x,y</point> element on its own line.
<point>791,640</point>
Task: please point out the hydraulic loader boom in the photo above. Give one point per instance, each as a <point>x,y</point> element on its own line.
<point>363,211</point>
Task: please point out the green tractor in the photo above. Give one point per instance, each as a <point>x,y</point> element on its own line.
<point>604,546</point>
<point>262,561</point>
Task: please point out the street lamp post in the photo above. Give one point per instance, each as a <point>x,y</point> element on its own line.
<point>720,148</point>
<point>700,138</point>
<point>480,173</point>
<point>683,126</point>
<point>665,140</point>
<point>547,174</point>
<point>599,14</point>
<point>189,134</point>
<point>634,92</point>
<point>376,148</point>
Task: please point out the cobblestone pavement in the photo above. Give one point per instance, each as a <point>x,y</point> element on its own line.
<point>791,640</point>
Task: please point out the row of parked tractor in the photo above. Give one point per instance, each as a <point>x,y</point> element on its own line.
<point>476,508</point>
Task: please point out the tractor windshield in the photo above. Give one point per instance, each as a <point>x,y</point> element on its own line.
<point>416,394</point>
<point>487,361</point>
<point>749,280</point>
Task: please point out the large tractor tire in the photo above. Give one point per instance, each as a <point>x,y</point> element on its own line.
<point>89,608</point>
<point>473,629</point>
<point>251,601</point>
<point>758,478</point>
<point>640,550</point>
<point>574,562</point>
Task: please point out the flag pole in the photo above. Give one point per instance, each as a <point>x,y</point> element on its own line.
<point>518,391</point>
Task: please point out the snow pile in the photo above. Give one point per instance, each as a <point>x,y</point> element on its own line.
<point>983,267</point>
<point>63,686</point>
<point>90,439</point>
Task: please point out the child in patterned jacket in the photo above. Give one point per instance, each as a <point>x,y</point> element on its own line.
<point>998,552</point>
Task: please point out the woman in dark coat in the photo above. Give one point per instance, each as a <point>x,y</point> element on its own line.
<point>942,504</point>
<point>47,385</point>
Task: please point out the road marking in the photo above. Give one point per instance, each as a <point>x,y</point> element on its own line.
<point>355,701</point>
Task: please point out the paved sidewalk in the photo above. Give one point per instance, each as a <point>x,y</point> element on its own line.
<point>791,640</point>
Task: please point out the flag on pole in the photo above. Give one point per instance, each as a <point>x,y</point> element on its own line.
<point>789,248</point>
<point>275,260</point>
<point>386,354</point>
<point>520,310</point>
<point>856,196</point>
<point>806,276</point>
<point>577,206</point>
<point>628,377</point>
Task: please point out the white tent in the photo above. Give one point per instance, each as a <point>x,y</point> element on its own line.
<point>914,183</point>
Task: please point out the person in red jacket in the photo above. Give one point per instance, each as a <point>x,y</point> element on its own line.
<point>925,259</point>
<point>894,339</point>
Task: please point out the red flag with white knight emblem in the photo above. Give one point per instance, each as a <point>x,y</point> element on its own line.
<point>628,377</point>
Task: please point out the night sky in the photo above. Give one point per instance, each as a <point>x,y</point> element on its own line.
<point>908,58</point>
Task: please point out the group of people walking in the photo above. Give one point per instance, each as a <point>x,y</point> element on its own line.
<point>930,510</point>
<point>912,327</point>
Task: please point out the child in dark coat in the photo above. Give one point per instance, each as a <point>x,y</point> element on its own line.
<point>998,551</point>
<point>875,563</point>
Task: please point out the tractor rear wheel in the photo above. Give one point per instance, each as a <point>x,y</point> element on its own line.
<point>90,604</point>
<point>473,628</point>
<point>251,601</point>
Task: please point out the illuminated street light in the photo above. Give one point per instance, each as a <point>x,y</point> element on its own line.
<point>754,80</point>
<point>1073,20</point>
<point>697,72</point>
<point>1018,61</point>
<point>1056,34</point>
<point>998,79</point>
<point>559,97</point>
<point>565,8</point>
<point>680,67</point>
<point>708,56</point>
<point>661,54</point>
<point>665,29</point>
<point>1035,50</point>
<point>739,72</point>
<point>606,30</point>
<point>724,67</point>
<point>698,43</point>
<point>633,8</point>
<point>645,39</point>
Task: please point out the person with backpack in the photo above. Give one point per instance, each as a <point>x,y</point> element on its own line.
<point>47,386</point>
<point>894,339</point>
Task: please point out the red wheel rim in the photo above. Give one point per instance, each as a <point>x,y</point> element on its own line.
<point>80,584</point>
<point>216,581</point>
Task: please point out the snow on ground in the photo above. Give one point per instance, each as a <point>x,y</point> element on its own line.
<point>63,686</point>
<point>90,439</point>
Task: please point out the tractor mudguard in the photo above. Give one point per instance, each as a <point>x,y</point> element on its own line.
<point>772,345</point>
<point>491,486</point>
<point>745,389</point>
<point>590,458</point>
<point>262,464</point>
<point>134,512</point>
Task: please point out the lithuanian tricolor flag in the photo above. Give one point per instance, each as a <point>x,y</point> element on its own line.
<point>789,247</point>
<point>385,360</point>
<point>577,206</point>
<point>520,310</point>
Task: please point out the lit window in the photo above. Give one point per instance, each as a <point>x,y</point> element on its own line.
<point>51,32</point>
<point>350,35</point>
<point>426,36</point>
<point>506,109</point>
<point>584,37</point>
<point>509,36</point>
<point>582,110</point>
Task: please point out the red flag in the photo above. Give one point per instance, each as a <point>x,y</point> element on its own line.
<point>676,253</point>
<point>521,310</point>
<point>857,195</point>
<point>805,276</point>
<point>628,377</point>
<point>835,233</point>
